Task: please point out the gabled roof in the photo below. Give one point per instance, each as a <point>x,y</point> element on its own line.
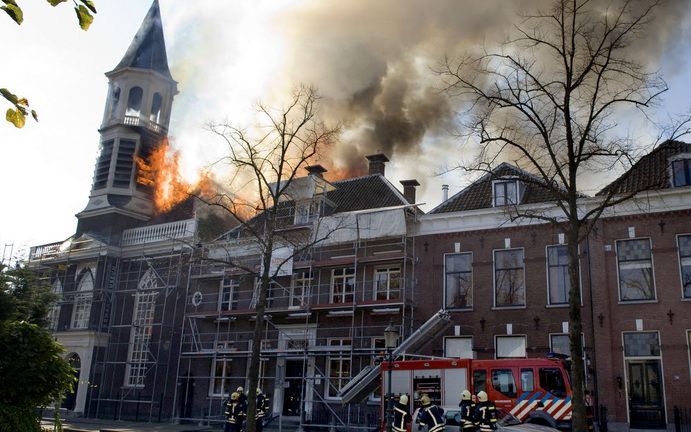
<point>651,172</point>
<point>362,193</point>
<point>148,48</point>
<point>478,195</point>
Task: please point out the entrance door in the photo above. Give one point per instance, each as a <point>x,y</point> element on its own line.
<point>292,392</point>
<point>646,404</point>
<point>70,400</point>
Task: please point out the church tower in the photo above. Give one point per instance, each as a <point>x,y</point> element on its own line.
<point>135,123</point>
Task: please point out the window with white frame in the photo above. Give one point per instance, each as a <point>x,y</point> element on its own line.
<point>387,283</point>
<point>681,172</point>
<point>228,294</point>
<point>684,242</point>
<point>220,377</point>
<point>305,211</point>
<point>54,312</point>
<point>509,278</point>
<point>139,358</point>
<point>458,281</point>
<point>378,350</point>
<point>82,300</point>
<point>339,362</point>
<point>505,192</point>
<point>300,289</point>
<point>270,291</point>
<point>558,274</point>
<point>459,347</point>
<point>635,264</point>
<point>510,346</point>
<point>342,285</point>
<point>560,343</point>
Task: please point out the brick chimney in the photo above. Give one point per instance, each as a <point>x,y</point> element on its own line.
<point>409,190</point>
<point>316,170</point>
<point>377,163</point>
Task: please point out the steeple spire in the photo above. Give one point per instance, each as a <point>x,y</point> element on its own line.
<point>148,48</point>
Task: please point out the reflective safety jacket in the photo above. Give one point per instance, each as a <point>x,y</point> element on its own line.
<point>431,416</point>
<point>486,416</point>
<point>262,406</point>
<point>401,417</point>
<point>467,415</point>
<point>235,412</point>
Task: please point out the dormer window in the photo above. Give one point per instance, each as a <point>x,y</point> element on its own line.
<point>305,211</point>
<point>505,192</point>
<point>681,172</point>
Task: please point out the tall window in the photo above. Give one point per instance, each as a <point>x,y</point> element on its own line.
<point>342,285</point>
<point>220,377</point>
<point>509,278</point>
<point>685,264</point>
<point>82,300</point>
<point>458,281</point>
<point>387,283</point>
<point>458,347</point>
<point>559,343</point>
<point>635,270</point>
<point>54,313</point>
<point>114,100</point>
<point>558,274</point>
<point>505,192</point>
<point>228,295</point>
<point>300,289</point>
<point>339,365</point>
<point>510,346</point>
<point>134,101</point>
<point>681,172</point>
<point>155,115</point>
<point>138,359</point>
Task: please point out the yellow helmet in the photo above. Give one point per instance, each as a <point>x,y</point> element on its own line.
<point>403,399</point>
<point>482,396</point>
<point>465,395</point>
<point>235,396</point>
<point>424,400</point>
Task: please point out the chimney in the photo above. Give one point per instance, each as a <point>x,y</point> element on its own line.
<point>444,192</point>
<point>409,190</point>
<point>316,170</point>
<point>376,163</point>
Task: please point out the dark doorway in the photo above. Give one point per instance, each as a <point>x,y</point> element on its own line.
<point>292,392</point>
<point>186,396</point>
<point>71,397</point>
<point>646,399</point>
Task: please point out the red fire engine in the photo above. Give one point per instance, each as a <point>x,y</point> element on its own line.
<point>536,390</point>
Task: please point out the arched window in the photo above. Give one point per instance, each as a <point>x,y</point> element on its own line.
<point>139,358</point>
<point>82,300</point>
<point>134,101</point>
<point>54,313</point>
<point>155,115</point>
<point>115,100</point>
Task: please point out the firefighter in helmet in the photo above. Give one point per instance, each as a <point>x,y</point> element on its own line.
<point>485,413</point>
<point>262,409</point>
<point>467,412</point>
<point>401,416</point>
<point>235,414</point>
<point>430,415</point>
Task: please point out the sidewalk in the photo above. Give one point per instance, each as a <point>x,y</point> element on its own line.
<point>100,425</point>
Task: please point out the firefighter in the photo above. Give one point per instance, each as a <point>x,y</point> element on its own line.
<point>235,414</point>
<point>467,412</point>
<point>401,416</point>
<point>243,396</point>
<point>485,413</point>
<point>262,409</point>
<point>430,415</point>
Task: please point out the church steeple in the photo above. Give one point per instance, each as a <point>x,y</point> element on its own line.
<point>135,123</point>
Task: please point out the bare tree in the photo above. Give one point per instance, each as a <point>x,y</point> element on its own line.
<point>547,102</point>
<point>265,164</point>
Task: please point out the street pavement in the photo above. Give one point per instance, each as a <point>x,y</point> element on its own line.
<point>100,425</point>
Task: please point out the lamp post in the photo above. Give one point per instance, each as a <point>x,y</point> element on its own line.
<point>390,341</point>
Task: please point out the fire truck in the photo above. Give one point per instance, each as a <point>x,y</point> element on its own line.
<point>534,390</point>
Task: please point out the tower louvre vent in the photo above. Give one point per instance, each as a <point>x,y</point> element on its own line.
<point>103,165</point>
<point>123,165</point>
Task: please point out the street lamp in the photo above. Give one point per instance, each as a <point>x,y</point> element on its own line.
<point>390,341</point>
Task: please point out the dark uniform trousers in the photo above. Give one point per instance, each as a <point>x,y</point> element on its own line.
<point>262,410</point>
<point>235,415</point>
<point>433,417</point>
<point>486,416</point>
<point>467,413</point>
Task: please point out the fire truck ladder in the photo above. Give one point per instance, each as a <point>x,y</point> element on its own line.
<point>364,383</point>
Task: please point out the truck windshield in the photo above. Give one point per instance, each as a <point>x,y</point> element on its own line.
<point>552,380</point>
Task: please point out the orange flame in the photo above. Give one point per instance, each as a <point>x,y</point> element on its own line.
<point>161,172</point>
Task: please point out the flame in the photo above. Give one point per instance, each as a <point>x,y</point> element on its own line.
<point>161,172</point>
<point>335,174</point>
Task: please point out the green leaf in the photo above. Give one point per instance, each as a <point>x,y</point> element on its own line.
<point>84,16</point>
<point>12,2</point>
<point>34,115</point>
<point>16,118</point>
<point>90,5</point>
<point>56,2</point>
<point>9,96</point>
<point>14,12</point>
